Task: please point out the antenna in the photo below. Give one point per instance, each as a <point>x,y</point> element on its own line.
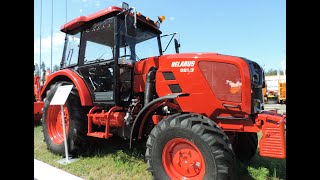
<point>66,10</point>
<point>51,32</point>
<point>40,37</point>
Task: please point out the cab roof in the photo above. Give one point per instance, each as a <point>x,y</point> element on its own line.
<point>77,22</point>
<point>81,20</point>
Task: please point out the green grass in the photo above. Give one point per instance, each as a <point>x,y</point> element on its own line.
<point>262,168</point>
<point>112,159</point>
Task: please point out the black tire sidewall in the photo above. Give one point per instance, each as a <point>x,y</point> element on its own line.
<point>187,134</point>
<point>78,141</point>
<point>52,146</point>
<point>77,125</point>
<point>246,146</point>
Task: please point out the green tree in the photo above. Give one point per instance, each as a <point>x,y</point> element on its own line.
<point>271,72</point>
<point>36,71</point>
<point>43,66</point>
<point>55,68</point>
<point>43,71</point>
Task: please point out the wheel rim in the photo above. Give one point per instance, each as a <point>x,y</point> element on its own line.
<point>54,123</point>
<point>183,160</point>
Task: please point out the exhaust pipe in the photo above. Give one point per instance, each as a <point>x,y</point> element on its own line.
<point>150,88</point>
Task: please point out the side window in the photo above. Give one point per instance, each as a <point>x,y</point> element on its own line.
<point>98,42</point>
<point>72,51</point>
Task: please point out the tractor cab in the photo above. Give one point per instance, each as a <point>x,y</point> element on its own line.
<point>103,47</point>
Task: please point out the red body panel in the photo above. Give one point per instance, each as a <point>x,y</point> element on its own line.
<point>273,141</point>
<point>37,110</point>
<point>107,119</point>
<point>77,81</point>
<point>38,104</point>
<point>36,88</point>
<point>224,80</point>
<point>83,19</point>
<point>192,80</point>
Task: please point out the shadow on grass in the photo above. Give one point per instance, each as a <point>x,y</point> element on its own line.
<point>36,123</point>
<point>117,147</point>
<point>262,166</point>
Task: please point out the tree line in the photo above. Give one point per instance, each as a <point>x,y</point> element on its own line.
<point>43,69</point>
<point>271,72</point>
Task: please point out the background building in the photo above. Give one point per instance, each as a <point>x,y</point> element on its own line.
<point>273,82</point>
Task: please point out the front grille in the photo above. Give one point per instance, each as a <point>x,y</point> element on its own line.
<point>257,83</point>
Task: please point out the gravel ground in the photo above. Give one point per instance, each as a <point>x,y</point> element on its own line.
<point>281,107</point>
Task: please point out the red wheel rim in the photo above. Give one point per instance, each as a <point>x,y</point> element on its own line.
<point>183,160</point>
<point>54,123</point>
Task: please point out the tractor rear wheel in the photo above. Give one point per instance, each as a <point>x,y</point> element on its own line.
<point>189,146</point>
<point>245,146</point>
<point>75,123</point>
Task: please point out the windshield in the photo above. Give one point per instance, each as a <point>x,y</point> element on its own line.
<point>139,46</point>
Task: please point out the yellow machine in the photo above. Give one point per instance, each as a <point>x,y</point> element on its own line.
<point>282,92</point>
<point>264,92</point>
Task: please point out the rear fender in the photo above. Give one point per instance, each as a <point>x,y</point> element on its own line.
<point>69,75</point>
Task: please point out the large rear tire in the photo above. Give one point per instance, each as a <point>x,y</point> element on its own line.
<point>75,121</point>
<point>245,146</point>
<point>189,146</point>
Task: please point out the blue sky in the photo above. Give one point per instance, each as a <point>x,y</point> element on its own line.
<point>254,29</point>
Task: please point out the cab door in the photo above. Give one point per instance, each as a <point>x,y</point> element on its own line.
<point>96,61</point>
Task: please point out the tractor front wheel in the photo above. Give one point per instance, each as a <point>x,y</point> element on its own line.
<point>189,146</point>
<point>75,123</point>
<point>245,146</point>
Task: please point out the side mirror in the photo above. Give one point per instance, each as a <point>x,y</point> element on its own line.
<point>130,29</point>
<point>125,6</point>
<point>176,45</point>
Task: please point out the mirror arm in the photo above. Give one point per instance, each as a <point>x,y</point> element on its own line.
<point>135,17</point>
<point>128,10</point>
<point>169,42</point>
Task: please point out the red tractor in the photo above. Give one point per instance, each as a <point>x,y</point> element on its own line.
<point>38,104</point>
<point>196,112</point>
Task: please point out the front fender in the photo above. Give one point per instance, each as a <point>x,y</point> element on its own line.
<point>65,74</point>
<point>147,109</point>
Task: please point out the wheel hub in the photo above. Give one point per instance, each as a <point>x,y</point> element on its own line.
<point>59,124</point>
<point>54,123</point>
<point>186,161</point>
<point>183,160</point>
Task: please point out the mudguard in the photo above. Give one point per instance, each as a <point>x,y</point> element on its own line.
<point>147,109</point>
<point>76,79</point>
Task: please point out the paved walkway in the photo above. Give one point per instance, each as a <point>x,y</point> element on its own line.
<point>43,171</point>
